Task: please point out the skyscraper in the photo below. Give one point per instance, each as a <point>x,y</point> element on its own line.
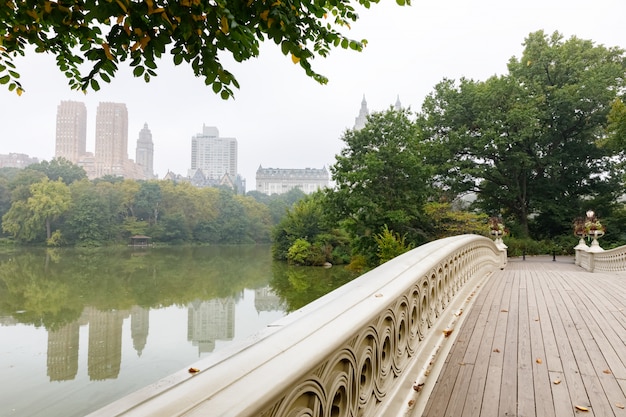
<point>213,155</point>
<point>361,119</point>
<point>71,130</point>
<point>144,155</point>
<point>111,139</point>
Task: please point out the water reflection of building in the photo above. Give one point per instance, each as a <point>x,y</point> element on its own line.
<point>209,321</point>
<point>63,352</point>
<point>105,343</point>
<point>139,325</point>
<point>265,299</point>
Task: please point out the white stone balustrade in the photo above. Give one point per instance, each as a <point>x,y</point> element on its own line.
<point>357,351</point>
<point>593,258</point>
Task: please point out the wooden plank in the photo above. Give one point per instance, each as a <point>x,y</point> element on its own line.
<point>602,387</point>
<point>525,380</point>
<point>572,320</point>
<point>476,389</point>
<point>570,348</point>
<point>510,364</point>
<point>491,393</point>
<point>544,404</point>
<point>450,391</point>
<point>608,332</point>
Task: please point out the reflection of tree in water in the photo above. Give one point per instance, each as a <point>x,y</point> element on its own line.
<point>299,285</point>
<point>51,289</point>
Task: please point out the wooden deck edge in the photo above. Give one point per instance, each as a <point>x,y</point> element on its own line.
<point>416,385</point>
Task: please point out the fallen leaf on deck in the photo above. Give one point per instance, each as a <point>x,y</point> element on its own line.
<point>193,370</point>
<point>539,361</point>
<point>411,402</point>
<point>447,332</point>
<point>581,408</point>
<point>378,295</point>
<point>418,387</point>
<point>607,371</point>
<point>496,350</point>
<point>504,310</point>
<point>556,381</point>
<point>619,405</point>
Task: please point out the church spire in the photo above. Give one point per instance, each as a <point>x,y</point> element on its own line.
<point>361,119</point>
<point>398,105</point>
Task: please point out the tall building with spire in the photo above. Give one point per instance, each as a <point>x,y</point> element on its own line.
<point>71,131</point>
<point>361,119</point>
<point>144,154</point>
<point>111,139</point>
<point>398,105</point>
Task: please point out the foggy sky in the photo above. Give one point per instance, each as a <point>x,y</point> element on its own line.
<point>283,119</point>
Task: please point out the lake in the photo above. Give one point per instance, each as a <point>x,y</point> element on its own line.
<point>80,328</point>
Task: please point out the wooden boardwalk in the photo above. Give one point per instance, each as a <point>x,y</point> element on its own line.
<point>543,339</point>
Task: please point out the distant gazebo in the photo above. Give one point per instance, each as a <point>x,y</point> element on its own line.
<point>140,240</point>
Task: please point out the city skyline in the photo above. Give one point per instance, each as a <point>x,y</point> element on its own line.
<point>282,118</point>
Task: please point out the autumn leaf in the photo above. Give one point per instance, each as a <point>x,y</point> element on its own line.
<point>607,371</point>
<point>496,350</point>
<point>556,381</point>
<point>581,408</point>
<point>447,332</point>
<point>539,361</point>
<point>619,405</point>
<point>193,370</point>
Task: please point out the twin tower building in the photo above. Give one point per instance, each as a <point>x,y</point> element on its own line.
<point>111,147</point>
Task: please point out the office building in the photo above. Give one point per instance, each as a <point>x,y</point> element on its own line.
<point>213,155</point>
<point>71,131</point>
<point>144,154</point>
<point>111,139</point>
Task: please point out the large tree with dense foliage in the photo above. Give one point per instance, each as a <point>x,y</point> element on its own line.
<point>527,141</point>
<point>98,35</point>
<point>26,218</point>
<point>381,181</point>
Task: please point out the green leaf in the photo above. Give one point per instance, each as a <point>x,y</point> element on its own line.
<point>5,79</point>
<point>138,71</point>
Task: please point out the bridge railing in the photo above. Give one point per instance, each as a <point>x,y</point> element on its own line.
<point>593,258</point>
<point>365,349</point>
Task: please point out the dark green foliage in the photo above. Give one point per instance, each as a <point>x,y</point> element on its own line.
<point>306,235</point>
<point>382,181</point>
<point>527,141</point>
<point>60,168</point>
<point>91,38</point>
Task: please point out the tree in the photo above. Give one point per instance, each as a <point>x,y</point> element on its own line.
<point>527,142</point>
<point>105,33</point>
<point>147,202</point>
<point>48,200</point>
<point>60,168</point>
<point>382,181</point>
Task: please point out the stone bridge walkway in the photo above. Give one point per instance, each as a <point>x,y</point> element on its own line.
<point>544,338</point>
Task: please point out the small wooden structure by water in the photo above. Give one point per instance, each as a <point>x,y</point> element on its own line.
<point>140,240</point>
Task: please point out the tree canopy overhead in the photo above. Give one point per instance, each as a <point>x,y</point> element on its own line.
<point>99,34</point>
